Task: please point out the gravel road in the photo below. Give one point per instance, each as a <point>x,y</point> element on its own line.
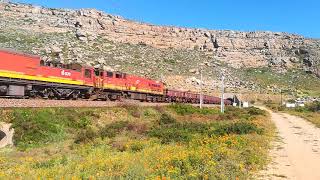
<point>296,152</point>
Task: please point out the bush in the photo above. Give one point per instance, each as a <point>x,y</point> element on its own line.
<point>300,109</point>
<point>85,136</point>
<point>235,113</point>
<point>113,129</point>
<point>120,143</point>
<point>186,109</point>
<point>137,127</point>
<point>170,134</point>
<point>136,147</point>
<point>149,112</point>
<point>183,109</point>
<point>314,107</point>
<point>166,119</point>
<point>34,128</point>
<point>276,107</point>
<point>238,128</point>
<point>73,118</point>
<point>255,111</point>
<point>134,111</point>
<point>37,127</point>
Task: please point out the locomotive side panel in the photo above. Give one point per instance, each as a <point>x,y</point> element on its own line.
<point>144,85</point>
<point>14,65</point>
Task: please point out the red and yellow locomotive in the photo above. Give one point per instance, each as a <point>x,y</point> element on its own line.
<point>23,75</point>
<point>27,75</point>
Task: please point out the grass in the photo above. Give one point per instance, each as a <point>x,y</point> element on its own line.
<point>178,141</point>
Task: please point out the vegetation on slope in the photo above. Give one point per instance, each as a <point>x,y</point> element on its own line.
<point>294,82</point>
<point>178,141</point>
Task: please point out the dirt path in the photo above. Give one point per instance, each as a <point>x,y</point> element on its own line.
<point>296,152</point>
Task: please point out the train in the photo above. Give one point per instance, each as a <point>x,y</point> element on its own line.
<point>28,76</point>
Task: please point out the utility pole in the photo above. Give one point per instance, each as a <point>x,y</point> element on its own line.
<point>201,96</point>
<point>222,92</point>
<point>281,97</point>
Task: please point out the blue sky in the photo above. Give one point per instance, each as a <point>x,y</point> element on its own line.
<point>295,16</point>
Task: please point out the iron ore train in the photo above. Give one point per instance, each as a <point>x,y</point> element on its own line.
<point>27,76</point>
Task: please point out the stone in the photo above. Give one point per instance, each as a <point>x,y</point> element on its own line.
<point>55,49</point>
<point>6,134</point>
<point>294,60</point>
<point>81,35</point>
<point>193,70</point>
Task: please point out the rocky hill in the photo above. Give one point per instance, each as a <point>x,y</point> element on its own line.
<point>172,54</point>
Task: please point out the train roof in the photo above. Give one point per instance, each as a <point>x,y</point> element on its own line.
<point>11,51</point>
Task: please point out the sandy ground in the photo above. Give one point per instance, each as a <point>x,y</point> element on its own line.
<point>296,150</point>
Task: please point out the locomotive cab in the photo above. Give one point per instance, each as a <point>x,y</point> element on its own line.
<point>99,77</point>
<point>88,76</point>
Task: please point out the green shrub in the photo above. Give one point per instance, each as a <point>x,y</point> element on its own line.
<point>178,132</point>
<point>136,147</point>
<point>238,128</point>
<point>235,113</point>
<point>255,111</point>
<point>166,119</point>
<point>183,109</point>
<point>149,112</point>
<point>170,134</point>
<point>50,163</point>
<point>187,109</point>
<point>113,129</point>
<point>36,127</point>
<point>276,107</point>
<point>45,164</point>
<point>300,109</point>
<point>86,136</point>
<point>314,107</point>
<point>134,111</point>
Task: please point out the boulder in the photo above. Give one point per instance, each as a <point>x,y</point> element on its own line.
<point>56,49</point>
<point>193,70</point>
<point>6,135</point>
<point>81,35</point>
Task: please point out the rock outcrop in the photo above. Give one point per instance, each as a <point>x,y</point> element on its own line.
<point>6,135</point>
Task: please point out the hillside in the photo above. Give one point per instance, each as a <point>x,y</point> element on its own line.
<point>253,61</point>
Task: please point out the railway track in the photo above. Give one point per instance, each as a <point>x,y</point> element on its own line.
<point>40,103</point>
